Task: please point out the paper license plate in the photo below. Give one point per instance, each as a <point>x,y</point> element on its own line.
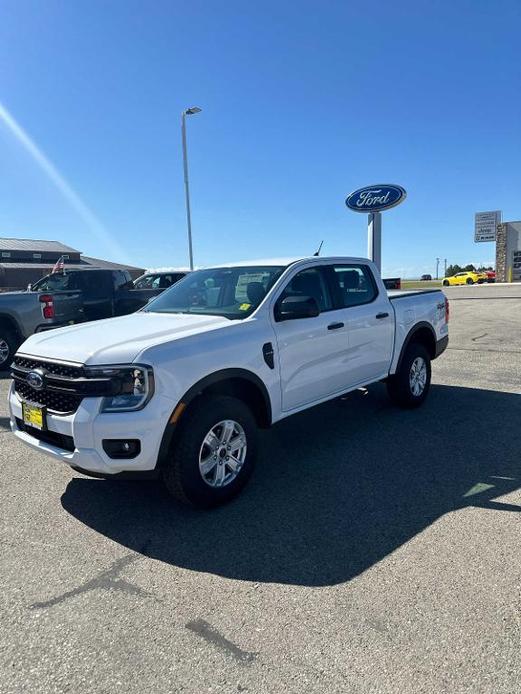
<point>33,416</point>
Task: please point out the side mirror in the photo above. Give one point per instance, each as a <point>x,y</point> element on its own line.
<point>293,307</point>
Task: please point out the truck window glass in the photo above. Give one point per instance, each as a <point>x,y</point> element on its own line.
<point>233,292</point>
<point>355,284</point>
<point>58,281</point>
<point>95,284</point>
<point>120,279</point>
<point>309,283</point>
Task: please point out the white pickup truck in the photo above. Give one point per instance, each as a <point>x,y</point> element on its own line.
<point>178,389</point>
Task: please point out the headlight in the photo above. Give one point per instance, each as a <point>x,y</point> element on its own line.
<point>131,386</point>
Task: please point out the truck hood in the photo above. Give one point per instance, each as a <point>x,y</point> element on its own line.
<point>116,340</point>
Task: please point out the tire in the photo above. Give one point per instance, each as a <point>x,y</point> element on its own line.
<point>480,281</point>
<point>182,475</point>
<point>8,346</point>
<point>470,280</point>
<point>400,386</point>
<point>446,283</point>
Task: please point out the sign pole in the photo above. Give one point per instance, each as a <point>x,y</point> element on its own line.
<point>374,238</point>
<point>373,200</point>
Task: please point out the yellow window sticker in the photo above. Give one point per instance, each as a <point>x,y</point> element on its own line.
<point>244,307</point>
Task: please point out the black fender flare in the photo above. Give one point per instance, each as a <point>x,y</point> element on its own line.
<point>409,338</point>
<point>12,324</point>
<point>194,391</point>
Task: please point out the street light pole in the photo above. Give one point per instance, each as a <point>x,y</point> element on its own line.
<point>437,266</point>
<point>188,112</point>
<point>445,267</point>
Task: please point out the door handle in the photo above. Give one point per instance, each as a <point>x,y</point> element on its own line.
<point>335,326</point>
<point>382,315</point>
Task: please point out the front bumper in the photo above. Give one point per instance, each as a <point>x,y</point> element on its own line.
<point>88,427</point>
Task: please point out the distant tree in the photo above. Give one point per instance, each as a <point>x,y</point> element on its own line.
<point>452,270</point>
<point>469,268</point>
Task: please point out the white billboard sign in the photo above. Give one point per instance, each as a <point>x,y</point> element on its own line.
<point>485,226</point>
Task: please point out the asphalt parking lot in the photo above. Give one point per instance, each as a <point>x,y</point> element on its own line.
<point>375,550</point>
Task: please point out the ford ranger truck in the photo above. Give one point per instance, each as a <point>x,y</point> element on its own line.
<point>179,389</point>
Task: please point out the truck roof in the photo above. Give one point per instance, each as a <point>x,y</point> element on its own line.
<point>268,262</point>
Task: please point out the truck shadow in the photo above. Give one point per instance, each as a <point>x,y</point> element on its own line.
<point>337,489</point>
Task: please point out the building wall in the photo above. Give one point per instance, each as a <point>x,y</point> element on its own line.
<point>501,252</point>
<point>508,252</point>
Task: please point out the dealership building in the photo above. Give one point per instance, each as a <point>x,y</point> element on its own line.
<point>24,261</point>
<point>508,252</point>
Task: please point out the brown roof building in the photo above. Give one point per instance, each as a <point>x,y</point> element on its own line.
<point>24,261</point>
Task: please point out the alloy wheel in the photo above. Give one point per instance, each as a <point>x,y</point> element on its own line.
<point>418,376</point>
<point>4,351</point>
<point>222,453</point>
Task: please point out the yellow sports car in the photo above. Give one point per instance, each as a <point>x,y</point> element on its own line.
<point>465,278</point>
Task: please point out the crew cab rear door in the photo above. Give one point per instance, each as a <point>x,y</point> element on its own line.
<point>98,294</point>
<point>369,319</point>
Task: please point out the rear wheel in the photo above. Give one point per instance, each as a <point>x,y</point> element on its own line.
<point>470,280</point>
<point>410,385</point>
<point>213,453</point>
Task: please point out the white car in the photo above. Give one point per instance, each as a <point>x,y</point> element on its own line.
<point>179,389</point>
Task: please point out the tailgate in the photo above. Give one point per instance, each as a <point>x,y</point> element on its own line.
<point>68,306</point>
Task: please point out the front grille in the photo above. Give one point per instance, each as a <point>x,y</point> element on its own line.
<point>53,400</point>
<point>52,437</point>
<point>68,370</point>
<point>63,385</point>
<point>62,400</point>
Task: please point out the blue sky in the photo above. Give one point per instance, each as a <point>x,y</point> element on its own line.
<point>303,102</point>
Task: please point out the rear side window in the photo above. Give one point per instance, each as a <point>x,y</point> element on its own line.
<point>95,284</point>
<point>120,279</point>
<point>354,284</point>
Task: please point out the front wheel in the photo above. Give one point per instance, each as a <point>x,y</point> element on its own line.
<point>410,385</point>
<point>446,283</point>
<point>213,453</point>
<point>8,346</point>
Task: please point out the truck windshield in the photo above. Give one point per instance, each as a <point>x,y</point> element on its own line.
<point>231,292</point>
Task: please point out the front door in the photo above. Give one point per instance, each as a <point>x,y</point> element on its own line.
<point>312,351</point>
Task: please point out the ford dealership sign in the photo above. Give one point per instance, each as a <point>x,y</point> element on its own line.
<point>375,198</point>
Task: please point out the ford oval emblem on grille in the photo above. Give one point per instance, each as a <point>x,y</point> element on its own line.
<point>35,379</point>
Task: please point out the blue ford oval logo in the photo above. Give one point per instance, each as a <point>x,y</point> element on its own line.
<point>35,380</point>
<point>375,198</point>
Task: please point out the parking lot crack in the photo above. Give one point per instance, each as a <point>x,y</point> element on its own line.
<point>106,580</point>
<point>210,634</point>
